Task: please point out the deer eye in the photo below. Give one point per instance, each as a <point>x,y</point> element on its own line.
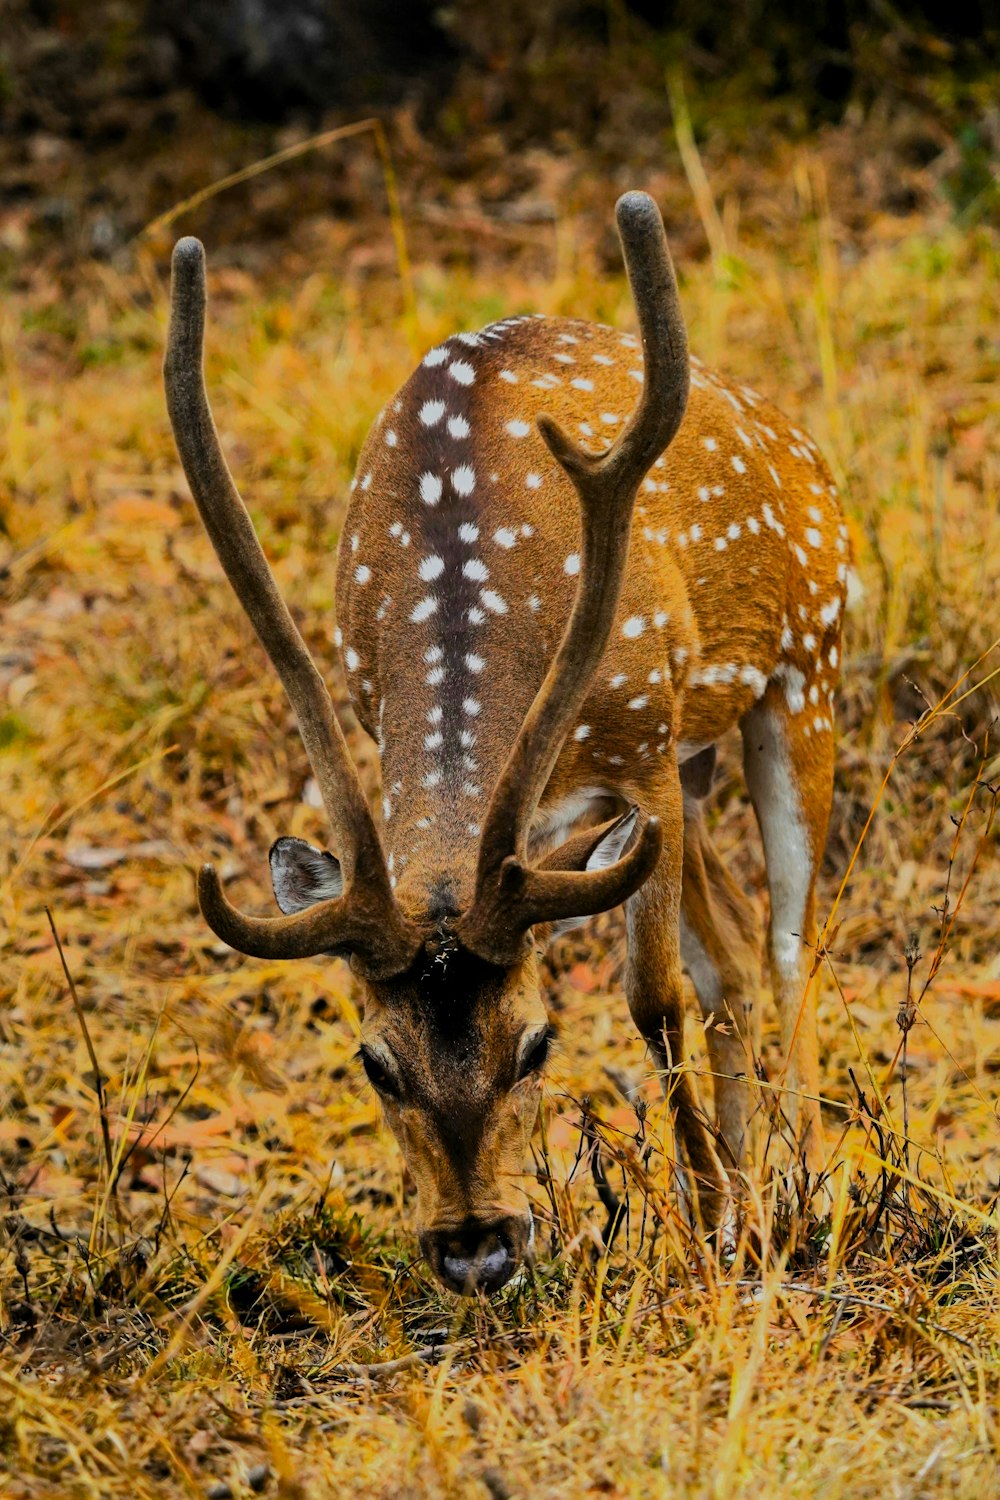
<point>379,1077</point>
<point>535,1058</point>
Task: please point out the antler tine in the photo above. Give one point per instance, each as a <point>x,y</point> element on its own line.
<point>607,485</point>
<point>379,943</point>
<point>235,541</point>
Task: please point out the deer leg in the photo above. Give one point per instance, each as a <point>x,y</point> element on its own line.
<point>654,985</point>
<point>719,948</point>
<point>788,758</point>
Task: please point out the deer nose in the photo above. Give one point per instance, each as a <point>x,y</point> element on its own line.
<point>479,1257</point>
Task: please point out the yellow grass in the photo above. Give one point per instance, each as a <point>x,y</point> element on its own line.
<point>199,1295</point>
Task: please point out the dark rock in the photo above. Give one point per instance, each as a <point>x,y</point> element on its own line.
<point>266,58</point>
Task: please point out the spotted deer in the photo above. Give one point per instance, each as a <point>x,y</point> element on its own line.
<point>571,562</point>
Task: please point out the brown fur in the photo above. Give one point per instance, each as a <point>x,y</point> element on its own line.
<point>459,569</point>
<point>735,618</point>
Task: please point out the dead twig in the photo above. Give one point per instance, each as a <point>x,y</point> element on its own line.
<point>610,1200</point>
<point>102,1102</point>
<point>905,1017</point>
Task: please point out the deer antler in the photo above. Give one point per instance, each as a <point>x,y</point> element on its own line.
<point>365,920</point>
<point>509,897</point>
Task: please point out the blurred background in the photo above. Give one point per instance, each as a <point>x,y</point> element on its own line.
<point>368,178</point>
<point>500,117</point>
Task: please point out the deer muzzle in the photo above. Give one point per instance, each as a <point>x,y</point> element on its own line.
<point>479,1257</point>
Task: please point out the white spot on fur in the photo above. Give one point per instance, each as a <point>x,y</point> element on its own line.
<point>424,609</point>
<point>715,674</point>
<point>753,677</point>
<point>430,489</point>
<point>431,413</point>
<point>794,683</point>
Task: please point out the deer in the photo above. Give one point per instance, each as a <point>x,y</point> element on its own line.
<point>572,560</point>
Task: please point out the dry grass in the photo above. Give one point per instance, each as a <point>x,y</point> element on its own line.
<point>204,1237</point>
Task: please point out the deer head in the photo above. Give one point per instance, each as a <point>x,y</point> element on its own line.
<point>455,1033</point>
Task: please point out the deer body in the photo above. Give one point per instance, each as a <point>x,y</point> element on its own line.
<point>460,559</point>
<point>556,592</point>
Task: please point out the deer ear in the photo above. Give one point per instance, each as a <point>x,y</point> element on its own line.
<point>698,773</point>
<point>608,852</point>
<point>301,875</point>
<point>612,846</point>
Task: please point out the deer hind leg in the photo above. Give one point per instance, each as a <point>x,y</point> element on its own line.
<point>720,950</point>
<point>788,757</point>
<point>654,985</point>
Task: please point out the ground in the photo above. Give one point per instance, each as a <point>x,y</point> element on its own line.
<point>206,1281</point>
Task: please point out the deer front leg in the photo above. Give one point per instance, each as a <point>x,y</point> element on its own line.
<point>789,769</point>
<point>719,948</point>
<point>654,986</point>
